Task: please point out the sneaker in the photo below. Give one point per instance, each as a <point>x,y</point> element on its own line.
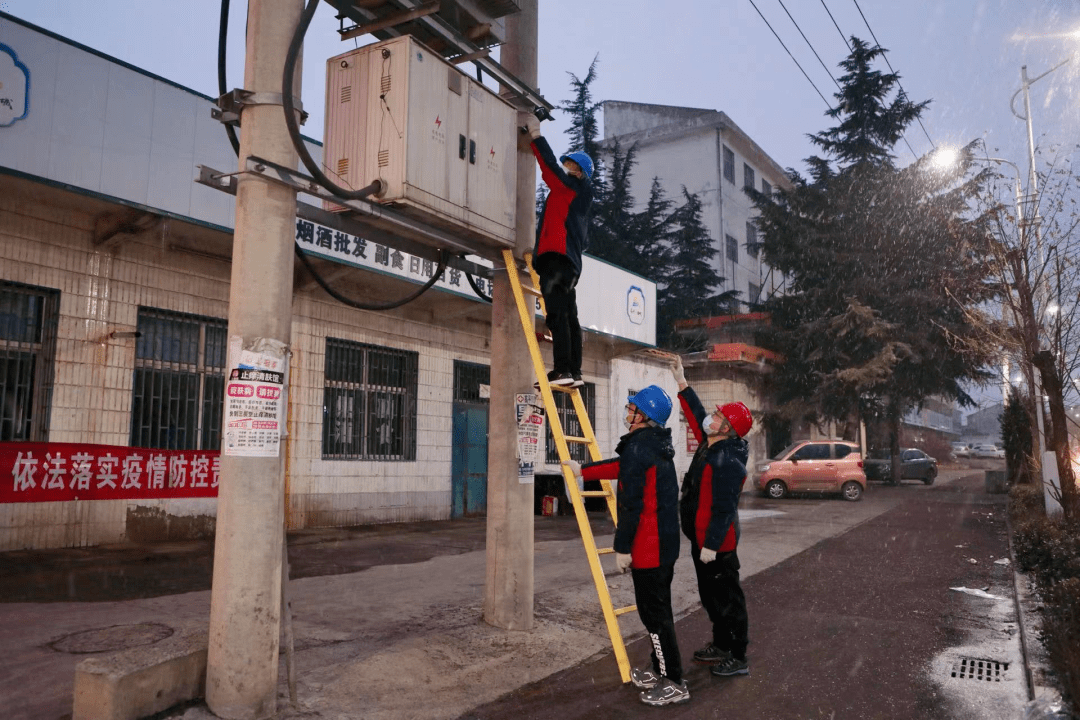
<point>666,692</point>
<point>711,655</point>
<point>578,382</point>
<point>558,379</point>
<point>731,666</point>
<point>644,678</point>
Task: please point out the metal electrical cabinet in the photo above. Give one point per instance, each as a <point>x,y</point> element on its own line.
<point>445,145</point>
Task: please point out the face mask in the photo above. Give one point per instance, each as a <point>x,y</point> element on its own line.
<point>707,425</point>
<point>628,419</point>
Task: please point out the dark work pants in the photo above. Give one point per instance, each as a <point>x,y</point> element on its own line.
<point>558,280</point>
<point>724,602</point>
<point>652,592</point>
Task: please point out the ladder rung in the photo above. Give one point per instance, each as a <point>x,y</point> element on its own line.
<point>605,551</point>
<point>572,439</point>
<point>528,290</point>
<point>624,610</point>
<point>595,493</point>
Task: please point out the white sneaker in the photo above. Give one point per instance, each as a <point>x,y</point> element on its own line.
<point>666,693</point>
<point>644,678</point>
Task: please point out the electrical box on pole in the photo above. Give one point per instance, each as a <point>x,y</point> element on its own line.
<point>444,145</point>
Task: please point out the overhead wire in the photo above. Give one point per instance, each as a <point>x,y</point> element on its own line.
<point>791,56</point>
<point>886,58</point>
<point>835,25</point>
<point>810,44</point>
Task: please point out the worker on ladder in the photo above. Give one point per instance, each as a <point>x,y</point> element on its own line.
<point>561,237</point>
<point>647,537</point>
<point>709,509</point>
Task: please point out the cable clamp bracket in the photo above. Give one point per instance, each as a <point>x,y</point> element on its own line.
<point>229,105</point>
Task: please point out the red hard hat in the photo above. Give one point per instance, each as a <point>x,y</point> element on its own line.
<point>739,416</point>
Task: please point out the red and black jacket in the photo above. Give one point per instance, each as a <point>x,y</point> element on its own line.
<point>564,222</point>
<point>709,506</point>
<point>648,497</point>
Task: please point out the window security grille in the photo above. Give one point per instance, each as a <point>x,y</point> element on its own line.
<point>748,176</point>
<point>753,293</point>
<point>732,248</point>
<point>28,320</point>
<point>752,245</point>
<point>729,165</point>
<point>570,424</point>
<point>179,381</point>
<point>468,377</point>
<point>369,402</point>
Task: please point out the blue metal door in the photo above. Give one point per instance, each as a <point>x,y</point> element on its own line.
<point>469,460</point>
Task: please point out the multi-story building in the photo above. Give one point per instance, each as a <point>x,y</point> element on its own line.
<point>708,154</point>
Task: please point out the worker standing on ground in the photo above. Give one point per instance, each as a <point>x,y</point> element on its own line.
<point>709,509</point>
<point>561,237</point>
<point>647,538</point>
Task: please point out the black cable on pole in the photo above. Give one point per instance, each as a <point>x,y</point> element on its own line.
<point>842,35</point>
<point>932,145</point>
<point>792,57</point>
<point>291,122</point>
<point>825,67</point>
<point>223,34</point>
<point>371,306</point>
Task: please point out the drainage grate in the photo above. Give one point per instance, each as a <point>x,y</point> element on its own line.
<point>976,669</point>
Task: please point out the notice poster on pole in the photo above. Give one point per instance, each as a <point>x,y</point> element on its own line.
<point>530,435</point>
<point>254,399</point>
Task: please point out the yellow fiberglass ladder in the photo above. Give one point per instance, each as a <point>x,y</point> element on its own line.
<point>588,438</point>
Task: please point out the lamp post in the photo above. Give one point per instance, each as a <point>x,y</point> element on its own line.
<point>1052,506</point>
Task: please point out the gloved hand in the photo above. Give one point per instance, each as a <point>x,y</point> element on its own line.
<point>575,468</point>
<point>677,371</point>
<point>622,561</point>
<point>707,555</point>
<point>532,125</point>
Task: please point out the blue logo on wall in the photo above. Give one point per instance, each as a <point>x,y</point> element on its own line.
<point>635,305</point>
<point>14,87</point>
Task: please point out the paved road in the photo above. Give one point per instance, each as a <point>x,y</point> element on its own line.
<point>860,625</point>
<point>848,600</point>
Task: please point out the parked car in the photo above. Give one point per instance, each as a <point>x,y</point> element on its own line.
<point>961,450</point>
<point>914,465</point>
<point>813,466</point>
<point>987,451</point>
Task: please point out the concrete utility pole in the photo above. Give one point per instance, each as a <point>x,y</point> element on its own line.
<point>245,604</point>
<point>508,589</point>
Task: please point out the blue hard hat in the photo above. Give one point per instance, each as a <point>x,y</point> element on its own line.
<point>653,403</point>
<point>583,161</point>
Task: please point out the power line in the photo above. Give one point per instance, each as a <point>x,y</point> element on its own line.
<point>825,67</point>
<point>886,57</point>
<point>792,56</point>
<point>842,35</point>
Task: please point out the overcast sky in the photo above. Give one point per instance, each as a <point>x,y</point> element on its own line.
<point>963,55</point>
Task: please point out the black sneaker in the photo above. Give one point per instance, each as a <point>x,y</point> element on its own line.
<point>578,382</point>
<point>711,655</point>
<point>557,379</point>
<point>666,692</point>
<point>731,666</point>
<point>644,678</point>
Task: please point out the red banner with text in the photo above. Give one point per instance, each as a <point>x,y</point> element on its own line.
<point>52,472</point>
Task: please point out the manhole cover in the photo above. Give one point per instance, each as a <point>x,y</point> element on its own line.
<point>976,669</point>
<point>117,637</point>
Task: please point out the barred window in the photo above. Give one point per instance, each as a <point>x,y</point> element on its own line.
<point>179,383</point>
<point>28,320</point>
<point>369,402</point>
<point>753,247</point>
<point>570,424</point>
<point>732,248</point>
<point>472,382</point>
<point>766,188</point>
<point>748,177</point>
<point>729,165</point>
